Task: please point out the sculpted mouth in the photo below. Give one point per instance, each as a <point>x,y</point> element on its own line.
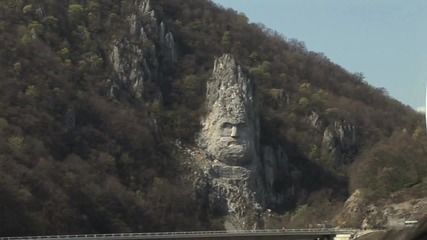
<point>232,143</point>
<point>236,144</point>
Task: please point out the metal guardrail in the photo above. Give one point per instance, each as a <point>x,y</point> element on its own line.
<point>191,234</point>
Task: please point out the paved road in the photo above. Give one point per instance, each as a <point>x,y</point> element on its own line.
<point>196,234</point>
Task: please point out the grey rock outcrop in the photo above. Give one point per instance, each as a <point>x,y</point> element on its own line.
<point>241,176</point>
<point>230,140</point>
<point>338,138</point>
<point>358,213</point>
<point>130,67</point>
<point>276,165</point>
<point>352,210</point>
<point>314,121</point>
<point>230,131</point>
<point>135,58</point>
<point>170,47</point>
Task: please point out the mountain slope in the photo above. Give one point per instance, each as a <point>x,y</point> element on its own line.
<point>95,93</point>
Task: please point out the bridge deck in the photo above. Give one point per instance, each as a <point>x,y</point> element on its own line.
<point>288,233</point>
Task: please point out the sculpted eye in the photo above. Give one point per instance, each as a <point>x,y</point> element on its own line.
<point>226,129</point>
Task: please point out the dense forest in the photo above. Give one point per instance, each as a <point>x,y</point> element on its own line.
<point>75,160</point>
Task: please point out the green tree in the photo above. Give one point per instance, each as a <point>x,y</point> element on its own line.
<point>76,14</point>
<point>32,91</point>
<point>417,133</point>
<point>27,9</point>
<point>51,22</point>
<point>226,39</point>
<point>16,143</point>
<point>3,123</point>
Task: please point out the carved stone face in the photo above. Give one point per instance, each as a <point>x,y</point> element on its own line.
<point>229,130</point>
<point>235,142</point>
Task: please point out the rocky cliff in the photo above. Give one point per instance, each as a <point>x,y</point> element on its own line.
<point>135,58</point>
<point>242,173</point>
<point>230,140</point>
<point>338,140</point>
<point>357,211</point>
<point>232,175</point>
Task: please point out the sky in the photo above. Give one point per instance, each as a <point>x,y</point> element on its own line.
<point>386,40</point>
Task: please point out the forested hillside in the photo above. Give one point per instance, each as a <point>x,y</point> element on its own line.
<point>82,152</point>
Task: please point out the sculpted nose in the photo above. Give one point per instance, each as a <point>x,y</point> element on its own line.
<point>234,132</point>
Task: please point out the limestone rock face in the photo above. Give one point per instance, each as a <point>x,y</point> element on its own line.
<point>314,121</point>
<point>135,57</point>
<point>338,137</point>
<point>230,140</point>
<point>170,47</point>
<point>231,128</point>
<point>353,211</point>
<point>129,65</point>
<point>240,176</point>
<point>356,213</point>
<point>276,165</point>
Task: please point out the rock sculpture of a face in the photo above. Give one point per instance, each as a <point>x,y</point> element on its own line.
<point>229,132</point>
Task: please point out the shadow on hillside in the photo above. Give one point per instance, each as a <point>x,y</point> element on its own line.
<point>318,183</point>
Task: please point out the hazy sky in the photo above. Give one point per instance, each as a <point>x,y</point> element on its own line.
<point>384,39</point>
